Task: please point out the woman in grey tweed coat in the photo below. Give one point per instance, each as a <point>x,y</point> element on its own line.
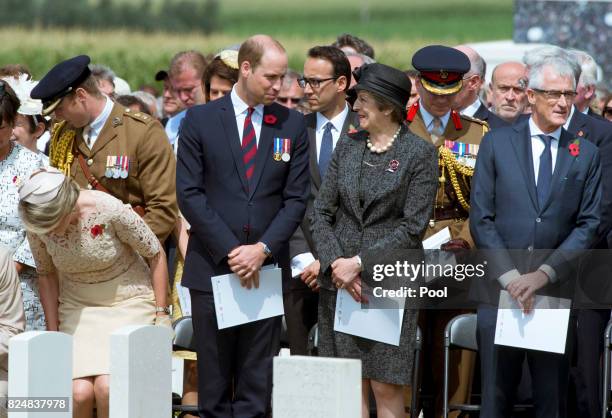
<point>377,194</point>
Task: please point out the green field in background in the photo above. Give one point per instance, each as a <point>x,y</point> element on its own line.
<point>396,28</point>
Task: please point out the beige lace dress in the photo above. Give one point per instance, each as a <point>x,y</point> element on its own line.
<point>104,282</point>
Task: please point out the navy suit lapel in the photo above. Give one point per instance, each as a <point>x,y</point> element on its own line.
<point>562,165</point>
<point>228,121</point>
<point>264,150</point>
<point>522,146</point>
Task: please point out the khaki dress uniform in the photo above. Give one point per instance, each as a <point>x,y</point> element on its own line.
<point>451,209</point>
<point>151,167</point>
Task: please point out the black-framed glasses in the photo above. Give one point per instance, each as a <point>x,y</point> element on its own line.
<point>555,95</point>
<point>315,83</point>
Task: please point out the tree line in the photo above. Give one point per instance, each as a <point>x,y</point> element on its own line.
<point>146,15</point>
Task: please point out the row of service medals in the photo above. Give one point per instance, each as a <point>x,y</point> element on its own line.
<point>117,166</point>
<point>282,149</point>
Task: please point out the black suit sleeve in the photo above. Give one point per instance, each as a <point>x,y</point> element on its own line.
<point>205,223</point>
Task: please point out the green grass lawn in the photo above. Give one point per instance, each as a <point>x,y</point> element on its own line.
<point>396,29</point>
<point>467,20</point>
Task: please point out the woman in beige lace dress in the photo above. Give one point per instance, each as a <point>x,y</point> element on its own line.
<point>90,251</point>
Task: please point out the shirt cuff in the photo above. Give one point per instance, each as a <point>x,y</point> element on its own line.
<point>300,262</point>
<point>505,279</point>
<point>550,272</point>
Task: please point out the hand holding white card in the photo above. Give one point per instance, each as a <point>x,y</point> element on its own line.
<point>237,305</point>
<point>544,329</point>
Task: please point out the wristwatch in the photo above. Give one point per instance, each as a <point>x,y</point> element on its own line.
<point>163,309</point>
<point>266,250</point>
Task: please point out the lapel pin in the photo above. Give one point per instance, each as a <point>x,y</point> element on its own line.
<point>580,133</point>
<point>116,121</point>
<point>393,166</point>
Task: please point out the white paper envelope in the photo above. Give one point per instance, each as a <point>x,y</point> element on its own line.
<point>544,329</point>
<point>381,321</point>
<point>436,240</point>
<point>237,305</point>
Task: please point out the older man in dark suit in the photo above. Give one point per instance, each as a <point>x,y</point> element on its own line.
<point>531,191</point>
<point>327,74</point>
<point>242,183</point>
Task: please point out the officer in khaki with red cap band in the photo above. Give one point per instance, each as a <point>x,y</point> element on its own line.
<point>440,78</point>
<point>105,146</point>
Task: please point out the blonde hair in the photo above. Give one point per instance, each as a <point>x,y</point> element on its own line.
<point>42,218</point>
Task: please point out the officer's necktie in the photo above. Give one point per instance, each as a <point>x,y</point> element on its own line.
<point>249,144</point>
<point>545,171</point>
<point>86,135</point>
<point>436,127</point>
<point>327,147</point>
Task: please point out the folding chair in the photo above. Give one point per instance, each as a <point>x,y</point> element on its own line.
<point>183,340</point>
<point>415,389</point>
<point>460,333</point>
<point>606,374</point>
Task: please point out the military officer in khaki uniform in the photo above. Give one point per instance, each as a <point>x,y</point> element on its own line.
<point>107,147</point>
<point>457,137</point>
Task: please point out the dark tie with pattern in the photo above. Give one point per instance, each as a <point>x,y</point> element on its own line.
<point>545,171</point>
<point>327,147</point>
<point>249,145</point>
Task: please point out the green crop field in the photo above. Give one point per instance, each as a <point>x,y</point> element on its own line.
<point>396,28</point>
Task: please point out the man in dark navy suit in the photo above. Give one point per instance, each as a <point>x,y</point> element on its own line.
<point>243,183</point>
<point>534,189</point>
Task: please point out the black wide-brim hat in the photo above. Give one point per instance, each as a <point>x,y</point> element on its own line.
<point>60,81</point>
<point>388,82</point>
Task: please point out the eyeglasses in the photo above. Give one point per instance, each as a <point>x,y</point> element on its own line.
<point>555,95</point>
<point>606,110</point>
<point>294,100</point>
<point>315,83</point>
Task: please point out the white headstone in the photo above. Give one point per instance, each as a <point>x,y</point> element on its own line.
<point>40,369</point>
<point>141,372</point>
<point>316,387</point>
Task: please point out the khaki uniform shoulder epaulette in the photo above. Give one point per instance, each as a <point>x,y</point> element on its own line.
<point>139,116</point>
<point>484,124</point>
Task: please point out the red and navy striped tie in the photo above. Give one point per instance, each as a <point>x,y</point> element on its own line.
<point>249,145</point>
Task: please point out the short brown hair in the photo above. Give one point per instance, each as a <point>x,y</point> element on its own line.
<point>188,59</point>
<point>90,85</point>
<point>220,69</point>
<point>14,70</point>
<point>252,50</point>
<point>9,103</point>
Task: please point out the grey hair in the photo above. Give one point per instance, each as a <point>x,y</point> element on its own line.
<point>543,53</point>
<point>148,100</point>
<point>588,75</point>
<point>102,72</point>
<point>561,67</point>
<point>366,59</point>
<point>478,66</point>
<point>42,218</point>
<point>291,76</point>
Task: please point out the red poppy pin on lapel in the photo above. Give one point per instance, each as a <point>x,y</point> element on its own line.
<point>269,119</point>
<point>574,148</point>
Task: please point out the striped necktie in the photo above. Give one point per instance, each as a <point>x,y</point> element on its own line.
<point>249,145</point>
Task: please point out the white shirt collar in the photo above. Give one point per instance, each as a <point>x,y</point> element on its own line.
<point>337,121</point>
<point>240,106</point>
<point>534,130</point>
<point>428,118</point>
<point>98,123</point>
<point>471,109</point>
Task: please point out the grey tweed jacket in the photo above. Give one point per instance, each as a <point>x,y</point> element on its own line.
<point>396,207</point>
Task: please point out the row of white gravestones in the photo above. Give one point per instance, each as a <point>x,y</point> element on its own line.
<point>40,374</point>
